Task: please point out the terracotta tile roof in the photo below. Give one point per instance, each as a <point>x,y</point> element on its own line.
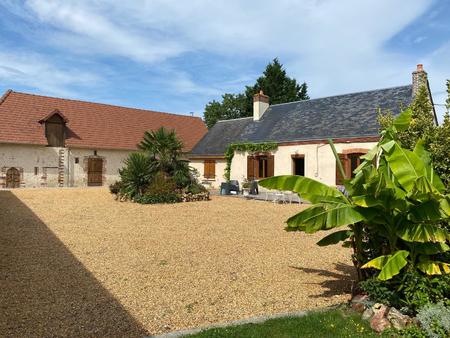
<point>90,125</point>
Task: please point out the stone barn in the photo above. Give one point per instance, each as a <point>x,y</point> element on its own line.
<point>55,142</point>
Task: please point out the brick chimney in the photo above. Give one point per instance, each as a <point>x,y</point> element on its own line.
<point>419,79</point>
<point>260,105</point>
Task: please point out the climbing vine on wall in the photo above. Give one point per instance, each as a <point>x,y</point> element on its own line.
<point>249,147</point>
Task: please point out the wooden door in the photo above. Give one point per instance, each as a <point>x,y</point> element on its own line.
<point>13,178</point>
<point>95,172</point>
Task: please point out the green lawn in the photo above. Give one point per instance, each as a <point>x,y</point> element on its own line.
<point>333,323</point>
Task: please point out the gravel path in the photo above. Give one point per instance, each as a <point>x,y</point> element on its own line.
<point>74,262</point>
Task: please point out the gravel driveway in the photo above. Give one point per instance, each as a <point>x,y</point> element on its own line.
<point>74,262</point>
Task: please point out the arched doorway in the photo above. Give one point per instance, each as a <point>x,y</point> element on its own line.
<point>12,178</point>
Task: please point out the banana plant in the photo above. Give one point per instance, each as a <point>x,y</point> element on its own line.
<point>395,197</point>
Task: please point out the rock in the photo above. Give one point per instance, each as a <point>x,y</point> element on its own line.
<point>379,323</point>
<point>378,307</point>
<point>359,302</point>
<point>360,299</point>
<point>358,307</point>
<point>397,319</point>
<point>367,314</point>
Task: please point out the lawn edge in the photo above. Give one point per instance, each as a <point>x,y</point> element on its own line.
<point>250,320</point>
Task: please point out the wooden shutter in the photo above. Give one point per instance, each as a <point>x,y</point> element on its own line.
<point>270,165</point>
<point>209,169</point>
<point>54,131</point>
<point>345,164</point>
<point>251,168</point>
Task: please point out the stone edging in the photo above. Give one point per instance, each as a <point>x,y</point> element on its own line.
<point>251,320</point>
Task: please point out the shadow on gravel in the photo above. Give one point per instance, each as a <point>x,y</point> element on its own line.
<point>45,290</point>
<point>337,283</point>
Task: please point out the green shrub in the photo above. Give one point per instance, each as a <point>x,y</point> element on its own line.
<point>161,184</point>
<point>410,291</point>
<point>116,187</point>
<point>435,320</point>
<point>379,291</point>
<point>412,331</point>
<point>159,198</point>
<point>196,188</point>
<point>161,189</point>
<point>416,290</point>
<point>136,175</point>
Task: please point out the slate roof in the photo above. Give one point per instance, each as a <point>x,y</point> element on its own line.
<point>342,116</point>
<point>89,125</point>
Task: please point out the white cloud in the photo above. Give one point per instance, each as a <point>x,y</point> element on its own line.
<point>335,46</point>
<point>33,70</point>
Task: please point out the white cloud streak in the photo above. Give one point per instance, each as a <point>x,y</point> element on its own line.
<point>336,46</point>
<point>33,70</point>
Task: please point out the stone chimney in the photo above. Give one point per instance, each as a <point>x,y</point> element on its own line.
<point>260,105</point>
<point>419,79</point>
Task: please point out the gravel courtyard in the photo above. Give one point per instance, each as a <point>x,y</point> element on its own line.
<point>74,262</point>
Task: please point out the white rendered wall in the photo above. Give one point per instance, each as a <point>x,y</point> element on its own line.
<point>320,163</point>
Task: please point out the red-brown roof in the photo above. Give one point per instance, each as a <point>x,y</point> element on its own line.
<point>90,125</point>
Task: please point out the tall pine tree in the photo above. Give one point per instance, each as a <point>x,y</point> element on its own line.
<point>274,82</point>
<point>277,85</point>
<point>422,124</point>
<point>440,146</point>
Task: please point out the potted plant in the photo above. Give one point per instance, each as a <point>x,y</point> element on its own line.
<point>246,188</point>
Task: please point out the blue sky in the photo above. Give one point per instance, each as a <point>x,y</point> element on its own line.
<point>175,56</point>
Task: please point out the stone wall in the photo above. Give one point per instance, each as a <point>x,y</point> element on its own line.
<point>42,166</point>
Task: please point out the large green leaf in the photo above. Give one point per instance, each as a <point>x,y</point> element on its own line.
<point>445,205</point>
<point>422,233</point>
<point>430,267</point>
<point>423,190</point>
<point>389,265</point>
<point>370,155</point>
<point>430,211</point>
<point>430,248</point>
<point>406,166</point>
<point>309,189</point>
<point>335,237</point>
<point>424,155</point>
<point>376,263</point>
<point>324,216</point>
<point>402,121</point>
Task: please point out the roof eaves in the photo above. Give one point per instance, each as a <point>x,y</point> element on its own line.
<point>5,95</point>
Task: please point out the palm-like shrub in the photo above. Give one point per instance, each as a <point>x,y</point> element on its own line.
<point>395,200</point>
<point>136,175</point>
<point>156,174</point>
<point>163,146</point>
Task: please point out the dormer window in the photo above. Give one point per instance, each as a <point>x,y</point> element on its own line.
<point>55,129</point>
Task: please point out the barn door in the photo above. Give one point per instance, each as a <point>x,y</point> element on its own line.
<point>13,178</point>
<point>95,172</point>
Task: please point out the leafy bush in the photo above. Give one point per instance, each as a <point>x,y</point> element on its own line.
<point>136,175</point>
<point>116,187</point>
<point>412,331</point>
<point>196,188</point>
<point>435,320</point>
<point>161,185</point>
<point>161,189</point>
<point>395,196</point>
<point>158,173</point>
<point>417,290</point>
<point>171,197</point>
<point>379,291</point>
